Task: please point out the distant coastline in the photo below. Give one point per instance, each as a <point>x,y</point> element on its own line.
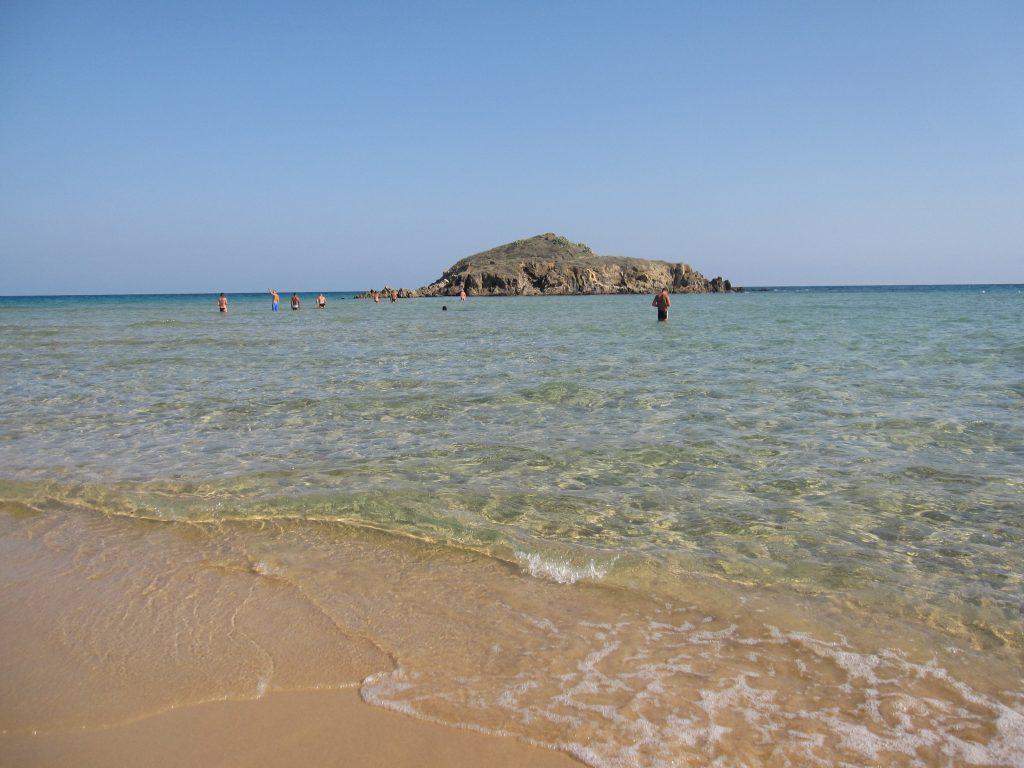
<point>349,293</point>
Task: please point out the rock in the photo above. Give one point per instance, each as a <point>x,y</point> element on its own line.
<point>552,265</point>
<point>385,292</point>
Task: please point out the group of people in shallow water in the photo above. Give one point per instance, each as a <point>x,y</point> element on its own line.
<point>275,301</point>
<point>392,296</point>
<point>661,301</point>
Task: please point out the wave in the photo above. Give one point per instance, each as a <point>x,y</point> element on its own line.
<point>162,323</point>
<point>560,571</point>
<point>568,538</point>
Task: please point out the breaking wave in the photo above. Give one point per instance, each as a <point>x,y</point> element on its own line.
<point>561,571</point>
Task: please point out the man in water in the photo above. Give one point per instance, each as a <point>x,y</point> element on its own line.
<point>394,295</point>
<point>274,300</point>
<point>295,301</point>
<point>222,303</point>
<point>662,302</point>
<point>321,301</point>
<point>462,295</point>
<point>376,296</point>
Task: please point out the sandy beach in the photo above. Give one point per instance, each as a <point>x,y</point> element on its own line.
<point>278,730</point>
<point>100,669</point>
<point>131,641</point>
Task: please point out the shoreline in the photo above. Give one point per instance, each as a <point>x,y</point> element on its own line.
<point>123,636</point>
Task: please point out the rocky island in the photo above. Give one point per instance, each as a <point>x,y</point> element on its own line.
<point>550,264</point>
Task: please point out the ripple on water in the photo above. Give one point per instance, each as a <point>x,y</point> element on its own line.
<point>863,448</point>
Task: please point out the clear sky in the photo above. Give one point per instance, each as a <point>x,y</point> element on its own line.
<point>208,146</point>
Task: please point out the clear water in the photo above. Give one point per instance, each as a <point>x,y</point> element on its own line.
<point>861,446</point>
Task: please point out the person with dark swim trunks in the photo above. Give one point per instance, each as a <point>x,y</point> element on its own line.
<point>662,302</point>
<point>321,301</point>
<point>222,303</point>
<point>295,301</point>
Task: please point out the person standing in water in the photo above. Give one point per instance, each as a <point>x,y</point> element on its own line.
<point>321,301</point>
<point>222,303</point>
<point>295,301</point>
<point>462,295</point>
<point>662,302</point>
<point>274,300</point>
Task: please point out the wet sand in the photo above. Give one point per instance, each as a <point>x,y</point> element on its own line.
<point>129,641</point>
<point>307,728</point>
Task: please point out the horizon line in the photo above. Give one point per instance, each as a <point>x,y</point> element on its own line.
<point>361,290</point>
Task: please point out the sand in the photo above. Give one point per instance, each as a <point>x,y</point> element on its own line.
<point>127,641</point>
<point>307,728</point>
<point>120,648</point>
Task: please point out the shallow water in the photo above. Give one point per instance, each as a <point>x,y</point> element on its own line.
<point>823,484</point>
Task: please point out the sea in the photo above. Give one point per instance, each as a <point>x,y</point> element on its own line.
<point>785,527</point>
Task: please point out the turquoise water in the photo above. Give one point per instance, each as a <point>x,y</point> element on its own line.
<point>866,444</point>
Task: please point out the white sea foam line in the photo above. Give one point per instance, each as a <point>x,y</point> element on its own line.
<point>643,742</point>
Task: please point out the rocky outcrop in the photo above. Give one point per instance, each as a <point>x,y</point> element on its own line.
<point>385,292</point>
<point>551,264</point>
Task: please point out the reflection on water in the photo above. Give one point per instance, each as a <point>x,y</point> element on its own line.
<point>860,451</point>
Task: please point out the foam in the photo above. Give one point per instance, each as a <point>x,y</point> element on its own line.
<point>263,568</point>
<point>662,694</point>
<point>560,571</point>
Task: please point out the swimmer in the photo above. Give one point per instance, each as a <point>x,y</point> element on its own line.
<point>444,308</point>
<point>376,297</point>
<point>321,301</point>
<point>462,295</point>
<point>394,296</point>
<point>295,301</point>
<point>274,300</point>
<point>662,302</point>
<point>222,303</point>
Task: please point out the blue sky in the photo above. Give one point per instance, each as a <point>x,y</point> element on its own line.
<point>234,146</point>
